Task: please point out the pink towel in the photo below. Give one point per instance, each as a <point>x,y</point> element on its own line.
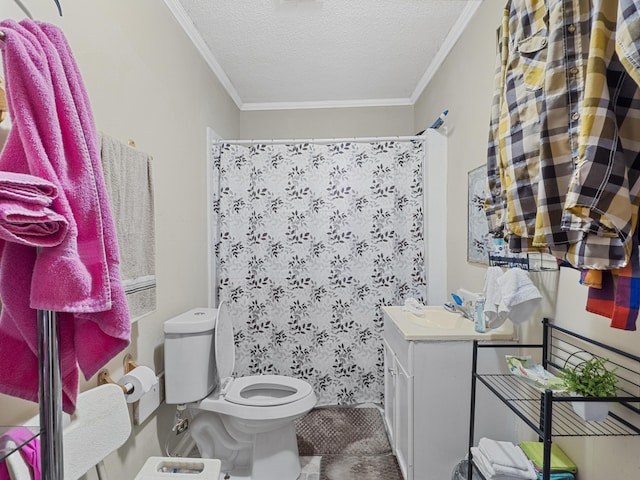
<point>54,137</point>
<point>31,224</point>
<point>27,189</point>
<point>30,451</point>
<point>24,214</point>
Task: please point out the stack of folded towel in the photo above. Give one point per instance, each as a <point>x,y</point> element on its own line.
<point>499,460</point>
<point>562,467</point>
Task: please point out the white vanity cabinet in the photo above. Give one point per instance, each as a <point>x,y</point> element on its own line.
<point>427,387</point>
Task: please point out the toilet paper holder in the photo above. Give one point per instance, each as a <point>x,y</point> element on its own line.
<point>104,377</point>
<point>129,364</point>
<point>136,382</point>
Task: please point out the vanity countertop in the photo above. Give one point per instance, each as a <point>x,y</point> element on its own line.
<point>437,324</point>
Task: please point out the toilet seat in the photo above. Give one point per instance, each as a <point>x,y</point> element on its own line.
<point>253,390</point>
<point>266,390</point>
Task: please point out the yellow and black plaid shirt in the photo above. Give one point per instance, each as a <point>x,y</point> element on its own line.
<point>563,161</point>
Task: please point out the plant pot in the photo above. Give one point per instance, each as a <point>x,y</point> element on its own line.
<point>591,411</point>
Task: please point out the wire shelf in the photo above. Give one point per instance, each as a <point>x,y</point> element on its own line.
<point>527,400</point>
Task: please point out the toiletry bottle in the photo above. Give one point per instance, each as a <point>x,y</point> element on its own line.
<point>479,315</point>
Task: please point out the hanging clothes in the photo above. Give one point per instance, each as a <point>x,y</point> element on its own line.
<point>562,159</point>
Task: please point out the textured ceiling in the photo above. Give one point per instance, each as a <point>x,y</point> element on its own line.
<point>306,53</point>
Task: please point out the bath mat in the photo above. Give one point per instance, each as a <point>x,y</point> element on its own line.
<point>342,431</point>
<point>360,467</point>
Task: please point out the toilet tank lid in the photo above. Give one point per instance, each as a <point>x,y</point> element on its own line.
<point>196,320</point>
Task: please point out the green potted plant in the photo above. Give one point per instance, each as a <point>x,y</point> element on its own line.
<point>591,378</point>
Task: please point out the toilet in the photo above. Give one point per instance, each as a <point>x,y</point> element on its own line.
<point>247,422</point>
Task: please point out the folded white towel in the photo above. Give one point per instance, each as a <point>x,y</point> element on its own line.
<point>502,453</point>
<point>520,297</point>
<point>494,311</point>
<point>490,472</point>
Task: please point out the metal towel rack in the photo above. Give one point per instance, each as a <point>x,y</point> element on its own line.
<point>534,262</point>
<point>50,397</point>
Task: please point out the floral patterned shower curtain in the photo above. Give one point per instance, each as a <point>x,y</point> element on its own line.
<point>310,241</point>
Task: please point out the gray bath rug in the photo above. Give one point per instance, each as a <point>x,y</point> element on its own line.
<point>361,467</point>
<point>342,431</point>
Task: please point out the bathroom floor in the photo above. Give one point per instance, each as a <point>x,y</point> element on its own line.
<point>310,468</point>
<point>345,443</point>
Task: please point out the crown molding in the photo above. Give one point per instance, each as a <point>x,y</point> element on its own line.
<point>187,25</point>
<point>382,102</point>
<point>448,44</point>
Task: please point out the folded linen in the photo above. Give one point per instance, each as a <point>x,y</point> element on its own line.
<point>489,471</point>
<point>504,454</point>
<point>557,476</point>
<point>560,461</point>
<point>27,188</point>
<point>31,224</point>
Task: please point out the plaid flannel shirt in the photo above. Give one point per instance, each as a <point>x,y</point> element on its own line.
<point>571,169</point>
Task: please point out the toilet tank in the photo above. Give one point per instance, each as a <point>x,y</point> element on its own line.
<point>189,359</point>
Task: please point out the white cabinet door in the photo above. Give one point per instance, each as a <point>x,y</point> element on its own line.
<point>404,421</point>
<point>390,394</point>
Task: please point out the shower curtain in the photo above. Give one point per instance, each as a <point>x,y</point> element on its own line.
<point>311,240</point>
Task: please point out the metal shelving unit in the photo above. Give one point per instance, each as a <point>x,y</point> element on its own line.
<point>551,415</point>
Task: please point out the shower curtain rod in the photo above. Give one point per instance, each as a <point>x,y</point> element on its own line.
<point>322,141</point>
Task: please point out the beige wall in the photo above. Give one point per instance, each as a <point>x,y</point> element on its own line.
<point>464,86</point>
<point>147,82</point>
<point>327,123</point>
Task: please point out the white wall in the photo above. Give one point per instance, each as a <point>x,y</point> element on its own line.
<point>464,85</point>
<point>328,123</point>
<point>147,82</point>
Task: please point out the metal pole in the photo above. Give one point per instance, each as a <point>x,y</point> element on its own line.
<point>50,398</point>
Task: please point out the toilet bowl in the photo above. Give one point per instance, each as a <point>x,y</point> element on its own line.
<point>246,422</point>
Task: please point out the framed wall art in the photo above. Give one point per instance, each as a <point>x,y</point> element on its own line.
<point>479,242</point>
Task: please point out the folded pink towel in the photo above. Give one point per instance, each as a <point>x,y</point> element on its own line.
<point>27,189</point>
<point>24,214</point>
<point>54,137</point>
<point>32,225</point>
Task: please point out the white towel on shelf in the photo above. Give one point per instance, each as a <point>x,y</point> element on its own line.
<point>489,471</point>
<point>520,297</point>
<point>129,182</point>
<point>502,453</point>
<point>494,310</point>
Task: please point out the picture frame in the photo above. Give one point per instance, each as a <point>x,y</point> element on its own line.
<point>479,241</point>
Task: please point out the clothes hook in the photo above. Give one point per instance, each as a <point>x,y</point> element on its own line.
<point>59,7</point>
<point>24,8</point>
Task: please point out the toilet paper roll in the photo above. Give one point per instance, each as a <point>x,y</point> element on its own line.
<point>138,382</point>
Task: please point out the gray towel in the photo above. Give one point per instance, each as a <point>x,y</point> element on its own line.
<point>127,175</point>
